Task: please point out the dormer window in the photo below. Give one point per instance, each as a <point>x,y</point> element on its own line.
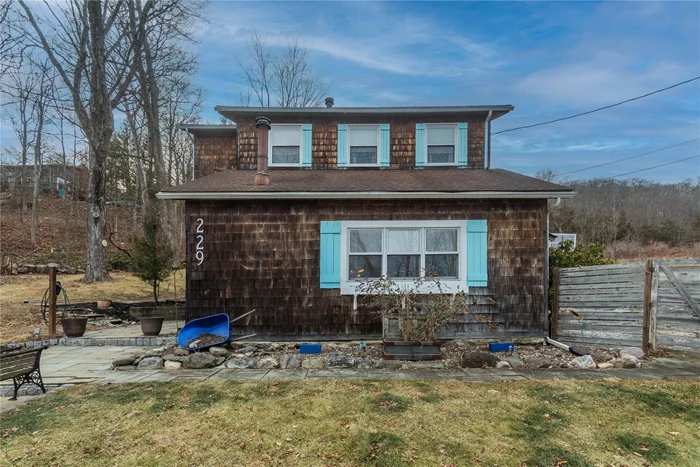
<point>285,146</point>
<point>363,142</point>
<point>441,144</point>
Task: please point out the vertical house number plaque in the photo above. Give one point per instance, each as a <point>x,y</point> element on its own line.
<point>199,249</point>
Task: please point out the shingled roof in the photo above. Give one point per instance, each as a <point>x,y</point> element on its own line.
<point>368,183</point>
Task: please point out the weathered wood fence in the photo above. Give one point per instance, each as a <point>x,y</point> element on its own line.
<point>652,304</point>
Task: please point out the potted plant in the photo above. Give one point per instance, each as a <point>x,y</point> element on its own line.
<point>103,304</point>
<point>153,260</point>
<point>411,314</point>
<point>74,325</point>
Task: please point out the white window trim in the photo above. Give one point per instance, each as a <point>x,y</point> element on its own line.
<point>452,286</point>
<point>456,142</point>
<point>350,127</point>
<point>301,145</point>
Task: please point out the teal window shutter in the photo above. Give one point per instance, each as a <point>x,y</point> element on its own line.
<point>306,145</point>
<point>342,145</point>
<point>384,146</point>
<point>420,144</point>
<point>462,146</point>
<point>330,255</point>
<point>477,253</point>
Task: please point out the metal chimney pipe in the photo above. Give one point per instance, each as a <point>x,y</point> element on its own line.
<point>329,102</point>
<point>263,126</point>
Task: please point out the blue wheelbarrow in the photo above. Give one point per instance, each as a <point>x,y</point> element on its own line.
<point>214,325</point>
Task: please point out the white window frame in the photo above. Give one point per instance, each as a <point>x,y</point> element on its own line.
<point>350,127</point>
<point>454,285</point>
<point>269,144</point>
<point>456,143</point>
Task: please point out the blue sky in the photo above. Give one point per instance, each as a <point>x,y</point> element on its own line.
<point>548,59</point>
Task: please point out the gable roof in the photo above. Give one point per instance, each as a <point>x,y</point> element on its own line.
<point>368,183</point>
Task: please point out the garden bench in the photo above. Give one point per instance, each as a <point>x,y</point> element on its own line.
<point>22,367</point>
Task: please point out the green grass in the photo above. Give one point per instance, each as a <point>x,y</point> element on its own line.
<point>347,423</point>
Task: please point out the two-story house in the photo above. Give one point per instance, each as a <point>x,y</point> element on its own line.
<point>291,208</point>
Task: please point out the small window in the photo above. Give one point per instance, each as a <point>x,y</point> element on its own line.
<point>285,145</point>
<point>363,141</point>
<point>442,144</point>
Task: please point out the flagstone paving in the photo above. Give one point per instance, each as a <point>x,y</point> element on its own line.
<point>63,366</point>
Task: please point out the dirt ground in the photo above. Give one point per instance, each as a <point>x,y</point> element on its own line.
<point>18,319</point>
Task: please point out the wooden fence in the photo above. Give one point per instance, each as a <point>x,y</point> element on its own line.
<point>649,304</point>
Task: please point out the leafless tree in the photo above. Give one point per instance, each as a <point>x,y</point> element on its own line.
<point>288,80</point>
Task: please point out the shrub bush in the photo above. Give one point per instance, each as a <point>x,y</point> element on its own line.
<point>566,256</point>
<point>119,262</point>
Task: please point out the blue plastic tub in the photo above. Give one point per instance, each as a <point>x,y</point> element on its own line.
<point>310,348</point>
<point>501,347</point>
<point>218,325</point>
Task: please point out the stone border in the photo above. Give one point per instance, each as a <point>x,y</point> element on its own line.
<point>116,341</point>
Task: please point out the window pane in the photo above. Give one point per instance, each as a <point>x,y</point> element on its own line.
<point>443,134</point>
<point>285,135</point>
<point>285,154</point>
<point>365,135</point>
<point>402,265</point>
<point>441,239</point>
<point>365,241</point>
<point>441,154</point>
<point>403,241</point>
<point>363,155</point>
<point>362,266</point>
<point>441,265</point>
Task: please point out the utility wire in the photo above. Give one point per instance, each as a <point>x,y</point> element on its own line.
<point>630,157</point>
<point>649,168</point>
<point>600,108</point>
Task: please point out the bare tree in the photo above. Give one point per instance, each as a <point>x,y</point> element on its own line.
<point>288,80</point>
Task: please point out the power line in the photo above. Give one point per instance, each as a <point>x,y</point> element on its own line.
<point>649,168</point>
<point>630,157</point>
<point>600,108</point>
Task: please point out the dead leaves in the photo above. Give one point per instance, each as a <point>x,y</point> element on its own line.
<point>9,431</point>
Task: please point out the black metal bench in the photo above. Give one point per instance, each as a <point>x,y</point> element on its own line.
<point>22,367</point>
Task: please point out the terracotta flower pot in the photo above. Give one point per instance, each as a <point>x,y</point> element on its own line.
<point>74,327</point>
<point>151,326</point>
<point>103,304</point>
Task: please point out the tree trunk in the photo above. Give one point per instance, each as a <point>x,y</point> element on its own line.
<point>155,292</point>
<point>37,169</point>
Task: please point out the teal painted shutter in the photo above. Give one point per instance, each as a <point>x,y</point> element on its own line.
<point>462,145</point>
<point>342,145</point>
<point>477,256</point>
<point>384,146</point>
<point>330,255</point>
<point>306,145</point>
<point>420,144</point>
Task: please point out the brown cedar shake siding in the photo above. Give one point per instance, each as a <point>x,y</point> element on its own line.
<point>264,255</point>
<point>212,153</point>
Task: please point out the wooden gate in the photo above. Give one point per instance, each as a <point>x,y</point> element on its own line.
<point>651,304</point>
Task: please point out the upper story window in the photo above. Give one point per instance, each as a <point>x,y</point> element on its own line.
<point>363,142</point>
<point>441,144</point>
<point>285,145</point>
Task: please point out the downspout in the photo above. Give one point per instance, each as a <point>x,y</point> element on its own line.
<point>487,139</point>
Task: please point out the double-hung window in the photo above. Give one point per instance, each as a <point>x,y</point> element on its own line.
<point>441,144</point>
<point>285,146</point>
<point>403,251</point>
<point>363,143</point>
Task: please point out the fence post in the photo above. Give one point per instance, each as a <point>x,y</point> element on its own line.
<point>646,322</point>
<point>654,305</point>
<point>52,299</point>
<point>554,320</point>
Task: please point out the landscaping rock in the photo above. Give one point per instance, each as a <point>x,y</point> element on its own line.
<point>218,351</point>
<point>154,353</point>
<point>181,351</point>
<point>340,361</point>
<point>606,365</point>
<point>619,363</point>
<point>503,365</point>
<point>290,361</point>
<point>312,364</point>
<point>601,357</point>
<point>174,358</point>
<point>246,350</point>
<point>583,362</point>
<point>151,363</point>
<point>125,360</point>
<point>629,364</point>
<point>171,365</point>
<point>478,360</point>
<point>241,363</point>
<point>389,364</point>
<point>630,353</point>
<point>536,362</point>
<point>268,363</point>
<point>514,362</point>
<point>200,360</point>
<point>220,360</point>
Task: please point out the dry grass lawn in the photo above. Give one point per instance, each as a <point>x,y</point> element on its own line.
<point>18,319</point>
<point>344,423</point>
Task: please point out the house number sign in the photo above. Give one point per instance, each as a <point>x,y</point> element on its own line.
<point>199,249</point>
